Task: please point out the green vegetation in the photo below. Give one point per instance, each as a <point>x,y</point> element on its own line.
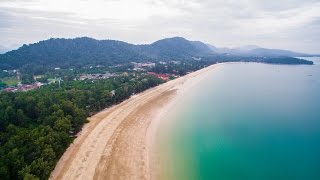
<point>2,85</point>
<point>37,126</point>
<point>39,58</point>
<point>179,68</point>
<point>268,60</point>
<point>10,81</point>
<point>4,74</point>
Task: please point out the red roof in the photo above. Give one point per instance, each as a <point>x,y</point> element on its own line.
<point>161,76</point>
<point>9,89</point>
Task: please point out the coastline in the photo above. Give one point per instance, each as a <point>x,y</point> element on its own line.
<point>119,142</point>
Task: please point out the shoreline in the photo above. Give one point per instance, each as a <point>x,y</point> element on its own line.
<point>118,142</point>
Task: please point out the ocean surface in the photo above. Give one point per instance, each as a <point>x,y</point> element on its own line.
<point>247,121</point>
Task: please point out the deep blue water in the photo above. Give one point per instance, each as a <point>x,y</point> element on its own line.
<point>249,121</point>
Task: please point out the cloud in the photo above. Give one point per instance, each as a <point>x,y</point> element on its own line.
<point>286,24</point>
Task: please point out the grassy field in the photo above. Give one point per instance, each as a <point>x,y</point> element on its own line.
<point>10,81</point>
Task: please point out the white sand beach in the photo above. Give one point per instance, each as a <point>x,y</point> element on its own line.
<point>118,142</point>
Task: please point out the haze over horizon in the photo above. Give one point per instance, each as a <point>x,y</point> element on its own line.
<point>287,24</point>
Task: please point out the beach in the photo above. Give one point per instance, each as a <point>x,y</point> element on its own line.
<point>119,142</point>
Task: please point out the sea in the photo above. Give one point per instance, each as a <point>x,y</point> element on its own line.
<point>247,121</point>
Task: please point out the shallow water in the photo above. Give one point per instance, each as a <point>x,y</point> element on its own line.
<point>247,121</point>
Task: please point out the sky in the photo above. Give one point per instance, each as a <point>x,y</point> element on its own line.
<point>283,24</point>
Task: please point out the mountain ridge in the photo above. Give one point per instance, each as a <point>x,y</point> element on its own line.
<point>84,51</point>
<point>79,51</point>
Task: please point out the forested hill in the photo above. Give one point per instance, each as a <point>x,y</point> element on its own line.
<point>79,52</point>
<point>70,52</point>
<point>87,51</point>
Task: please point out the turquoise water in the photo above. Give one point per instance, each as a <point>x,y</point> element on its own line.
<point>249,121</point>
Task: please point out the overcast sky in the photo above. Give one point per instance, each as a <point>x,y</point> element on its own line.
<point>285,24</point>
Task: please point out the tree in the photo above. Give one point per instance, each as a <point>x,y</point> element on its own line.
<point>37,126</point>
<point>2,85</point>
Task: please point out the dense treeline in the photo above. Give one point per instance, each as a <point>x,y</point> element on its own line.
<point>2,85</point>
<point>180,68</point>
<point>3,74</point>
<point>183,67</point>
<point>268,60</point>
<point>37,126</point>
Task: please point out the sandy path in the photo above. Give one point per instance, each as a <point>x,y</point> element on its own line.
<point>117,142</point>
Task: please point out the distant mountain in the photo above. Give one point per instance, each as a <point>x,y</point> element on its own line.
<point>213,48</point>
<point>178,47</point>
<point>253,50</point>
<point>275,53</point>
<point>247,47</point>
<point>79,52</point>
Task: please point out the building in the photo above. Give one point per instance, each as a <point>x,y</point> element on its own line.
<point>161,76</point>
<point>142,65</point>
<point>95,76</point>
<point>24,87</point>
<point>10,89</point>
<point>28,87</point>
